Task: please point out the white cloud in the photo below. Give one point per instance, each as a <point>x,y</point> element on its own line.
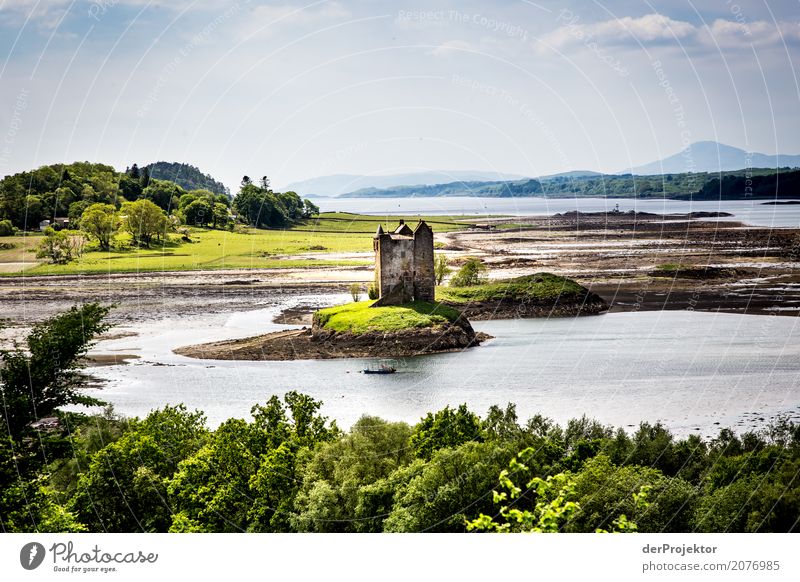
<point>727,33</point>
<point>649,28</point>
<point>660,29</point>
<point>451,48</point>
<point>45,15</point>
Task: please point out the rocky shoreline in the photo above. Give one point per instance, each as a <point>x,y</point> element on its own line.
<point>314,343</point>
<point>320,344</point>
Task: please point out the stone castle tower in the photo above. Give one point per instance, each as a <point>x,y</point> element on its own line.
<point>404,264</point>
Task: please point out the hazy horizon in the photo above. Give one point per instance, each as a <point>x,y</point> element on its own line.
<point>300,90</point>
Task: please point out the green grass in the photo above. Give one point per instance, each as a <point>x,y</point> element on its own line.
<point>360,318</point>
<point>347,222</point>
<point>673,267</point>
<point>331,233</point>
<point>540,286</point>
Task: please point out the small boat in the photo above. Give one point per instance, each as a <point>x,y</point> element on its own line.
<point>382,369</point>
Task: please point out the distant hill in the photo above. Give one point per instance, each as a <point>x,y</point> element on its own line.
<point>338,184</point>
<point>186,176</point>
<point>581,184</point>
<point>711,156</point>
<point>781,186</point>
<point>572,174</point>
<point>497,189</point>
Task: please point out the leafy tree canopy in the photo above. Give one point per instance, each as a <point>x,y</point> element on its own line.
<point>46,376</point>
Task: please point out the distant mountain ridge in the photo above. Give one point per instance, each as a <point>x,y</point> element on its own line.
<point>711,156</point>
<point>572,185</point>
<point>338,184</point>
<point>493,189</point>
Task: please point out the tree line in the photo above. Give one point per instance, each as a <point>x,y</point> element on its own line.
<point>186,176</point>
<point>686,185</point>
<point>259,206</point>
<point>67,190</point>
<point>288,468</point>
<point>100,203</point>
<point>776,186</point>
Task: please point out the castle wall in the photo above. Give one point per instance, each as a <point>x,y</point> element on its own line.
<point>396,269</point>
<point>424,277</point>
<point>404,266</point>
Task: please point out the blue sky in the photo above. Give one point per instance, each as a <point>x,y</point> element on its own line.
<point>300,89</point>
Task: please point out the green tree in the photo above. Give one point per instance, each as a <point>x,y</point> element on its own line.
<point>6,228</point>
<point>125,488</point>
<point>47,375</point>
<point>130,188</point>
<point>84,437</point>
<point>61,246</point>
<point>26,504</point>
<point>446,428</point>
<point>606,491</point>
<point>163,194</point>
<point>751,492</point>
<point>144,221</point>
<point>440,268</point>
<point>202,193</point>
<point>262,208</point>
<point>309,208</point>
<point>185,200</point>
<point>372,291</point>
<point>61,200</point>
<point>554,503</point>
<point>211,489</point>
<point>199,212</point>
<point>330,499</point>
<point>249,204</point>
<point>75,211</point>
<point>221,216</point>
<point>133,172</point>
<point>247,476</point>
<point>454,484</point>
<point>502,424</point>
<point>471,273</point>
<point>102,222</point>
<point>33,212</point>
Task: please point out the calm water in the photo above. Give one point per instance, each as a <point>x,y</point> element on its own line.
<point>748,211</point>
<point>689,370</point>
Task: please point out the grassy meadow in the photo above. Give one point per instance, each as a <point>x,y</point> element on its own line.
<point>541,286</point>
<point>361,317</point>
<point>303,245</point>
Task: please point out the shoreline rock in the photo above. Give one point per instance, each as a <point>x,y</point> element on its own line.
<point>317,343</point>
<point>311,344</point>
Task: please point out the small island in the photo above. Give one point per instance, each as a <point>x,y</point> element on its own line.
<point>355,330</point>
<point>407,314</point>
<point>538,295</point>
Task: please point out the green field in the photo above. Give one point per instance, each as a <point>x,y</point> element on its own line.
<point>360,318</point>
<point>303,245</point>
<point>540,286</point>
